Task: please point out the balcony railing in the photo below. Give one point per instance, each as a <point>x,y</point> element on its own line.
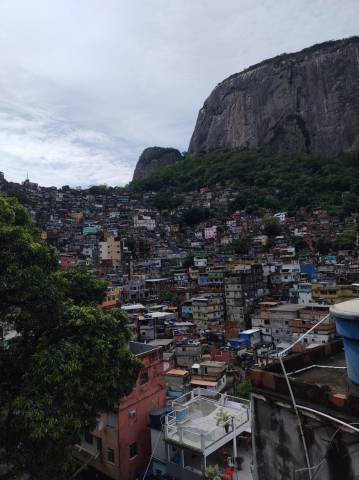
<point>201,418</point>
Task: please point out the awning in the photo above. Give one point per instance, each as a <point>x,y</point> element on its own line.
<point>204,383</point>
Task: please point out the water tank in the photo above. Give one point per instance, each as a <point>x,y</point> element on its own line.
<point>346,315</point>
<point>181,413</point>
<point>157,417</point>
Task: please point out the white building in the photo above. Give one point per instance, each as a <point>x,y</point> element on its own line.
<point>144,221</point>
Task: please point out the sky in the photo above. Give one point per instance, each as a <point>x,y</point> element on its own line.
<point>86,85</point>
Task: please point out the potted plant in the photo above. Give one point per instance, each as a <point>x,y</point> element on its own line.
<point>222,419</point>
<point>212,472</point>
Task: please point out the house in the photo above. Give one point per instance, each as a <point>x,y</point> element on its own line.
<point>327,406</point>
<point>120,446</point>
<point>207,310</point>
<point>204,430</point>
<point>209,375</point>
<point>153,325</point>
<point>241,290</point>
<point>177,382</point>
<point>187,353</point>
<point>110,249</point>
<point>186,310</point>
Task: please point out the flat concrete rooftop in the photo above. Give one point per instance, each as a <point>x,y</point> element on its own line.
<point>318,379</point>
<point>330,372</point>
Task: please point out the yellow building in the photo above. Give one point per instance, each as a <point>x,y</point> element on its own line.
<point>333,293</point>
<point>77,216</point>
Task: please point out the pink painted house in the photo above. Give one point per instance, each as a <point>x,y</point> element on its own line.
<point>121,444</point>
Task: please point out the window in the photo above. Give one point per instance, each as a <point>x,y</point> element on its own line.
<point>88,437</point>
<point>144,377</point>
<point>111,455</point>
<point>133,450</point>
<point>99,444</point>
<point>111,420</point>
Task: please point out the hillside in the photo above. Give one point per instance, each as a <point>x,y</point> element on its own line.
<point>262,180</point>
<point>304,102</point>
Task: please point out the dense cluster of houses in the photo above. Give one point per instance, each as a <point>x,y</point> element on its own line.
<point>200,315</point>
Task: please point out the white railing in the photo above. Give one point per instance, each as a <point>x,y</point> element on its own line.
<point>178,422</point>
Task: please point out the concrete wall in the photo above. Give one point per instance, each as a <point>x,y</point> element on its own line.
<point>278,450</point>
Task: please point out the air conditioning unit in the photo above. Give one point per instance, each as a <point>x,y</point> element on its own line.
<point>132,414</point>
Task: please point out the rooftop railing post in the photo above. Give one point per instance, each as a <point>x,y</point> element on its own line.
<point>203,442</point>
<point>234,438</point>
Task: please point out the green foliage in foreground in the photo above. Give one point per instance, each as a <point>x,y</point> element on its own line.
<point>264,180</point>
<point>244,389</point>
<point>68,362</point>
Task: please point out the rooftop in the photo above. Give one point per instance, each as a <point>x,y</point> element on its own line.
<point>161,342</point>
<point>329,372</point>
<point>288,307</point>
<point>177,372</point>
<point>318,378</point>
<point>194,423</point>
<point>138,348</point>
<point>213,363</point>
<point>133,306</point>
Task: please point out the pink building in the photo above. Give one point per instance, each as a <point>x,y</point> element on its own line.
<point>67,260</point>
<point>210,232</point>
<point>121,444</point>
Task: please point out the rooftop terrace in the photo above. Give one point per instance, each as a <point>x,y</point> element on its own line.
<point>330,372</point>
<point>194,423</point>
<point>318,378</point>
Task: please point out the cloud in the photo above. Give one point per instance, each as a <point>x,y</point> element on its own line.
<point>86,85</point>
<point>33,140</point>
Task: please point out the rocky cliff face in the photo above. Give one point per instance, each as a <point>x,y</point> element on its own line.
<point>153,158</point>
<point>302,102</point>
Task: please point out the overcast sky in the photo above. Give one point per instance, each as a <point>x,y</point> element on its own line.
<point>85,85</point>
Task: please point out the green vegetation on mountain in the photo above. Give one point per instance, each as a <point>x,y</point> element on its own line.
<point>67,362</point>
<point>263,181</point>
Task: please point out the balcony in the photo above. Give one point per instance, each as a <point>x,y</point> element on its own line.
<point>193,422</point>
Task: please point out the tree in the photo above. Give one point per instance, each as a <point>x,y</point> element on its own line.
<point>67,363</point>
<point>168,296</point>
<point>241,245</point>
<point>323,245</point>
<point>99,189</point>
<point>244,389</point>
<point>194,216</point>
<point>299,243</point>
<point>188,261</point>
<point>271,226</point>
<point>346,241</point>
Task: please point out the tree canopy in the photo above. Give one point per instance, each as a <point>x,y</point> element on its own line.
<point>194,216</point>
<point>271,226</point>
<point>67,362</point>
<point>265,180</point>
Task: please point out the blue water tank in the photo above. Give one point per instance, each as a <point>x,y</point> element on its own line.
<point>346,315</point>
<point>157,417</point>
<point>181,413</point>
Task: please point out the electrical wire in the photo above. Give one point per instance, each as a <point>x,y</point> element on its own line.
<point>280,355</point>
<point>153,451</point>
